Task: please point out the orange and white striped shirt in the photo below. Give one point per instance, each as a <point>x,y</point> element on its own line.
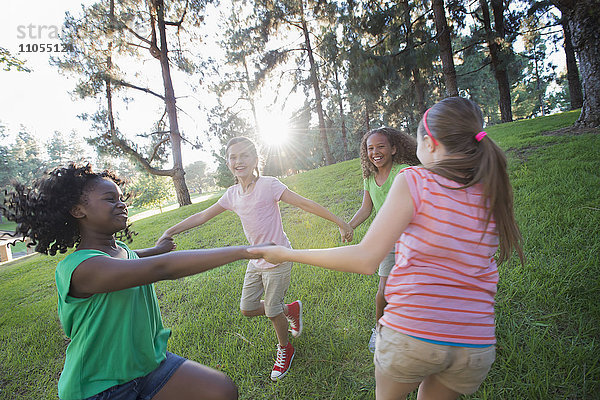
<point>443,284</point>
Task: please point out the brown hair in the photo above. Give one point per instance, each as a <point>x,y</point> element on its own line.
<point>406,149</point>
<point>454,122</point>
<point>249,143</point>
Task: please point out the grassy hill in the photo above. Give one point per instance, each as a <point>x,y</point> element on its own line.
<point>548,313</point>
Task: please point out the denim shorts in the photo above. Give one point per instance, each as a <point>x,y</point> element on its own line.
<point>144,387</point>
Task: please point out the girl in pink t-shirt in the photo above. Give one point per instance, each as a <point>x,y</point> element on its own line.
<point>255,199</point>
<point>446,219</point>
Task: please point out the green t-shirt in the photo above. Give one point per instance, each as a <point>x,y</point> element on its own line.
<point>379,193</point>
<point>115,337</point>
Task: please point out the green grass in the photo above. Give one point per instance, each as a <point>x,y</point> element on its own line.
<point>10,226</point>
<point>548,313</point>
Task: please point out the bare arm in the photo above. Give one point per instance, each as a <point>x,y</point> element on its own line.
<point>363,212</point>
<point>161,247</point>
<point>363,258</point>
<point>315,208</point>
<point>191,222</point>
<point>104,274</point>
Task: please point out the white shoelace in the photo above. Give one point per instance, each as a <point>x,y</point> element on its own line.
<point>280,361</point>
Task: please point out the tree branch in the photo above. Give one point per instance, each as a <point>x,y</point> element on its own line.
<point>139,45</point>
<point>178,24</point>
<point>157,146</point>
<point>475,70</point>
<point>468,47</point>
<point>128,150</point>
<point>143,39</point>
<point>119,82</point>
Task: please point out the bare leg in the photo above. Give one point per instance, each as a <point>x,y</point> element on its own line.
<point>193,381</point>
<point>388,389</point>
<point>380,302</point>
<point>432,389</point>
<point>279,322</point>
<point>255,313</point>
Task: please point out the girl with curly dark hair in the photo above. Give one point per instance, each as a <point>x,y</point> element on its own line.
<point>106,299</point>
<point>383,153</point>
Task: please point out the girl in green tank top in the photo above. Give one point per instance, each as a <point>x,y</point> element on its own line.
<point>383,153</point>
<point>106,300</point>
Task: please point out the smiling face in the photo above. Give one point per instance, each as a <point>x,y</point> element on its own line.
<point>242,160</point>
<point>379,150</point>
<point>102,208</point>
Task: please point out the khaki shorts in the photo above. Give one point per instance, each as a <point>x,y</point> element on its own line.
<point>409,360</point>
<point>387,264</point>
<point>273,282</point>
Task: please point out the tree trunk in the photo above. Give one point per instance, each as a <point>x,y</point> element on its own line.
<point>183,194</point>
<point>419,90</point>
<point>250,89</point>
<point>367,117</point>
<point>572,69</point>
<point>583,17</point>
<point>315,82</point>
<point>112,134</point>
<point>495,50</point>
<point>538,81</point>
<point>341,107</point>
<point>109,108</point>
<point>416,74</point>
<point>445,46</point>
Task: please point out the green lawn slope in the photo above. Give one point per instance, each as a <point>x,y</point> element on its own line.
<point>548,312</point>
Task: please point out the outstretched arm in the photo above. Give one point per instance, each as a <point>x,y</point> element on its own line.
<point>363,258</point>
<point>363,212</point>
<point>190,222</point>
<point>313,207</point>
<point>104,274</point>
<point>162,246</point>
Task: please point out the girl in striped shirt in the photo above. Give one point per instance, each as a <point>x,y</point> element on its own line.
<point>447,219</point>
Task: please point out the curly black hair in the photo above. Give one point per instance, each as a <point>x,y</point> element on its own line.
<point>42,211</point>
<point>406,149</point>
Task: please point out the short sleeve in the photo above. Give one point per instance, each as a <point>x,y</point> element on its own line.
<point>365,185</point>
<point>65,269</point>
<point>415,180</point>
<point>277,189</point>
<point>225,200</point>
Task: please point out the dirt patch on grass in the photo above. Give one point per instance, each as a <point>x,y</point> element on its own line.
<point>572,131</point>
<point>522,154</point>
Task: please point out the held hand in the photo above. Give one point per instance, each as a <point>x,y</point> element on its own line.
<point>271,253</point>
<point>254,255</point>
<point>165,244</point>
<point>346,232</point>
<point>163,237</point>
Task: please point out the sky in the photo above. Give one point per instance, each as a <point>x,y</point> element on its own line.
<point>41,100</point>
<point>38,100</point>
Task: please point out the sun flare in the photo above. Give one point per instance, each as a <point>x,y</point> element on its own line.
<point>274,130</point>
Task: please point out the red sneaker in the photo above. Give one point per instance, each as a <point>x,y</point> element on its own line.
<point>285,355</point>
<point>294,317</point>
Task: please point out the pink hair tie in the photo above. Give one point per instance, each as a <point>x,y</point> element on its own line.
<point>435,142</point>
<point>480,136</point>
